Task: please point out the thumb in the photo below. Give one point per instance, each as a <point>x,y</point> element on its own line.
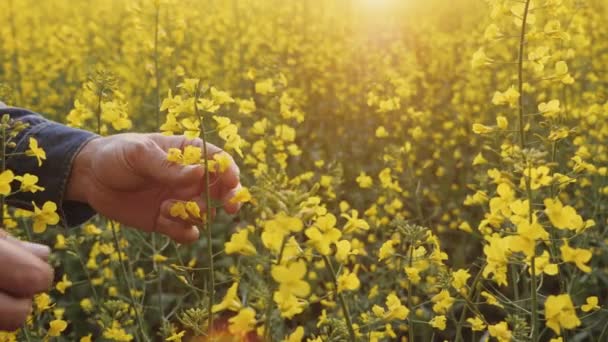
<point>153,164</point>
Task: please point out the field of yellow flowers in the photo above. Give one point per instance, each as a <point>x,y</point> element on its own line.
<point>414,170</point>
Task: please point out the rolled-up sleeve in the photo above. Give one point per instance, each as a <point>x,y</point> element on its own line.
<point>61,144</point>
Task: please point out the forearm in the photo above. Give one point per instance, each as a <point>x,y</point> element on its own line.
<point>62,144</point>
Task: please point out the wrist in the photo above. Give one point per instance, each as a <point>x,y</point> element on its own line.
<point>79,180</point>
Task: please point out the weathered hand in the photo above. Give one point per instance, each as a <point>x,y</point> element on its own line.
<point>127,178</point>
<point>24,272</point>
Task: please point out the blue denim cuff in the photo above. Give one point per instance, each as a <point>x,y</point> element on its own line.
<point>61,144</point>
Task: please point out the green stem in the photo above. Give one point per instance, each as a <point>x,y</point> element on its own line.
<point>345,312</point>
<point>125,275</point>
<point>522,141</point>
<point>410,302</point>
<point>207,220</point>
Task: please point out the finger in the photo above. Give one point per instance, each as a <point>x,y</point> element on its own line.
<point>13,311</point>
<point>39,250</point>
<point>228,178</point>
<point>177,231</point>
<point>147,158</point>
<point>229,206</point>
<point>22,274</point>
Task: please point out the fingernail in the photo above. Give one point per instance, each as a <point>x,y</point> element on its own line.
<point>41,251</point>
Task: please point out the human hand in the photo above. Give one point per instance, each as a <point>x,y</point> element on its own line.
<point>127,178</point>
<point>24,273</point>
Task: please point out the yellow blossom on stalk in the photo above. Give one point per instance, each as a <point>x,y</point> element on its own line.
<point>413,274</point>
<point>381,132</point>
<point>578,256</point>
<point>159,258</point>
<point>288,304</point>
<point>476,323</point>
<point>192,155</point>
<point>562,217</point>
<point>343,249</point>
<point>539,177</point>
<point>459,279</point>
<point>549,109</point>
<point>482,129</point>
<point>87,338</point>
<point>230,301</point>
<point>323,233</point>
<point>177,336</point>
<point>479,159</point>
<point>43,302</point>
<point>265,87</point>
<point>387,250</point>
<point>86,304</point>
<point>56,327</point>
<point>290,278</point>
<point>117,333</point>
<point>174,155</point>
<point>35,151</point>
<point>354,223</point>
<point>395,310</point>
<point>509,97</point>
<point>497,257</point>
<point>60,242</point>
<point>364,181</point>
<point>501,332</point>
<point>442,302</point>
<point>240,244</point>
<point>64,284</point>
<point>222,161</point>
<point>296,336</point>
<point>543,265</point>
<point>438,322</point>
<point>560,313</point>
<point>242,196</point>
<point>6,177</point>
<point>45,216</point>
<point>348,281</point>
<point>28,183</point>
<point>591,304</point>
<point>243,322</point>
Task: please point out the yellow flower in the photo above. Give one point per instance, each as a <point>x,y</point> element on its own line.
<point>6,178</point>
<point>116,333</point>
<point>159,258</point>
<point>413,274</point>
<point>562,217</point>
<point>459,279</point>
<point>243,322</point>
<point>296,336</point>
<point>222,160</point>
<point>242,196</point>
<point>64,284</point>
<point>387,250</point>
<point>87,338</point>
<point>230,301</point>
<point>45,216</point>
<point>174,155</point>
<point>323,233</point>
<point>343,248</point>
<point>560,313</point>
<point>591,304</point>
<point>354,223</point>
<point>476,323</point>
<point>264,87</point>
<point>395,309</point>
<point>86,304</point>
<point>192,155</point>
<point>348,281</point>
<point>56,327</point>
<point>43,302</point>
<point>482,129</point>
<point>288,304</point>
<point>240,244</point>
<point>290,278</point>
<point>578,256</point>
<point>549,109</point>
<point>500,331</point>
<point>442,302</point>
<point>438,322</point>
<point>381,132</point>
<point>364,181</point>
<point>35,151</point>
<point>176,336</point>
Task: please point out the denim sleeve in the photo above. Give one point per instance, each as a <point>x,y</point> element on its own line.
<point>61,144</point>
